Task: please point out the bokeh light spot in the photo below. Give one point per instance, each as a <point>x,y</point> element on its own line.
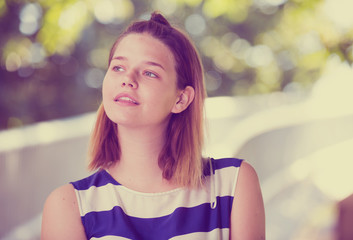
<point>224,61</point>
<point>70,16</point>
<point>167,7</point>
<point>98,58</point>
<point>210,46</point>
<point>30,15</point>
<point>37,53</point>
<point>94,78</point>
<point>13,62</point>
<point>260,55</point>
<point>104,11</point>
<point>109,11</point>
<point>213,80</point>
<point>309,43</point>
<point>239,47</point>
<point>195,24</point>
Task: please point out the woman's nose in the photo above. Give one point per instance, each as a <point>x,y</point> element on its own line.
<point>129,81</point>
<point>129,84</point>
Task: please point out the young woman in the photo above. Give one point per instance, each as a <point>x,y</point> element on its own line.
<point>151,180</point>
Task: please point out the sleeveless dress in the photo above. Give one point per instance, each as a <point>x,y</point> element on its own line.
<point>111,211</point>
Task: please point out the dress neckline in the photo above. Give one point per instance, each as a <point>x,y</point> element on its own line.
<point>115,182</point>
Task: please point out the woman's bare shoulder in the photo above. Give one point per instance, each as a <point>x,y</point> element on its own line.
<point>61,217</point>
<point>247,173</point>
<point>66,191</point>
<point>248,214</point>
<point>63,197</point>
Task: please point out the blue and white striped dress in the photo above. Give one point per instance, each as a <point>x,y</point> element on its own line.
<point>111,211</point>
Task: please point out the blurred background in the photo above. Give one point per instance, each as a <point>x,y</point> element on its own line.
<point>279,79</point>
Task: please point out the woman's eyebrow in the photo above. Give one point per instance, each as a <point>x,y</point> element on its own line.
<point>151,63</point>
<point>119,58</point>
<point>154,64</point>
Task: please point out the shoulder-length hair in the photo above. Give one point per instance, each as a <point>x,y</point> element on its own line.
<point>181,157</point>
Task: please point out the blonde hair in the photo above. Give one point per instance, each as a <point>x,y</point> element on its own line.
<point>181,157</point>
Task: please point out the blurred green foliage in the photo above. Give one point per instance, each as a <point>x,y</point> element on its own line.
<point>54,52</point>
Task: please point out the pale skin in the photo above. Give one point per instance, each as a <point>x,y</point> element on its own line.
<point>142,124</point>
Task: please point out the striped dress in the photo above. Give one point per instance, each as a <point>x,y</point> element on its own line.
<point>111,211</point>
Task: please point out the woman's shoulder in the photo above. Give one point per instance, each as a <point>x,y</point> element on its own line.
<point>65,195</point>
<point>62,212</point>
<point>247,178</point>
<point>61,217</point>
<point>248,207</point>
<point>66,190</point>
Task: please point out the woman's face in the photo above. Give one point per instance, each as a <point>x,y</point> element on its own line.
<point>139,88</point>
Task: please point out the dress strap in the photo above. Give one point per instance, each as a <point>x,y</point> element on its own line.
<point>213,185</point>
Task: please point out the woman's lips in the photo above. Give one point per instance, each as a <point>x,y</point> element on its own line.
<point>126,99</point>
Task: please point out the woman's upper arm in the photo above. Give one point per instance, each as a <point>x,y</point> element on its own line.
<point>248,214</point>
<point>61,218</point>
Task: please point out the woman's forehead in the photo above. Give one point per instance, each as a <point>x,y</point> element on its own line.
<point>144,47</point>
<point>145,42</point>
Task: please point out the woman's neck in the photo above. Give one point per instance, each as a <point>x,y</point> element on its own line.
<point>138,167</point>
<point>140,143</point>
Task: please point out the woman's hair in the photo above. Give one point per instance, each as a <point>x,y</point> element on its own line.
<point>180,159</point>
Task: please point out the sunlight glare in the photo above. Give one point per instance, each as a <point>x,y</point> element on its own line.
<point>221,107</point>
<point>333,91</point>
<point>333,170</point>
<point>339,12</point>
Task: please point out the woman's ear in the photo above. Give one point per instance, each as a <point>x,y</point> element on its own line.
<point>186,97</point>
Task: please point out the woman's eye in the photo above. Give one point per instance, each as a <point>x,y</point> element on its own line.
<point>151,74</point>
<point>118,69</point>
